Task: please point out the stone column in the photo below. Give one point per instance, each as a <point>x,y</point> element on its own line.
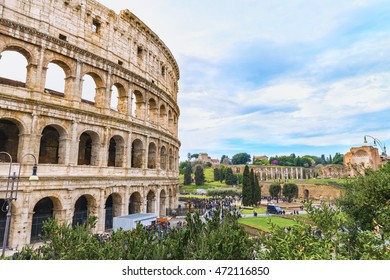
<point>73,159</point>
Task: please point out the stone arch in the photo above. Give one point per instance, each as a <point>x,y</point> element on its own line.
<point>52,147</point>
<point>163,203</point>
<point>163,116</point>
<point>152,110</point>
<point>9,139</point>
<point>135,202</point>
<point>152,156</point>
<point>89,147</point>
<point>170,121</point>
<point>53,70</point>
<point>92,89</point>
<point>151,202</point>
<point>112,208</point>
<point>44,209</point>
<point>138,104</point>
<point>137,154</point>
<point>306,194</point>
<point>116,151</point>
<point>163,158</point>
<point>13,55</point>
<point>84,206</point>
<point>118,99</point>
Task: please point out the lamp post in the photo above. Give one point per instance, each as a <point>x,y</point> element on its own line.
<point>377,141</point>
<point>11,192</point>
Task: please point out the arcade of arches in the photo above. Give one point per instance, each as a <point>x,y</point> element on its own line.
<point>101,119</point>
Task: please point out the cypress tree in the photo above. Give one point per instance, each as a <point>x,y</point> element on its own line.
<point>187,174</point>
<point>256,191</point>
<point>230,179</point>
<point>216,174</point>
<point>246,187</point>
<point>199,175</point>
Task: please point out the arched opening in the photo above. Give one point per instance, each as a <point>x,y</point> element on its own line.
<point>55,74</point>
<point>88,149</point>
<point>3,218</point>
<point>136,154</point>
<point>163,158</point>
<point>163,207</point>
<point>170,163</point>
<point>150,202</point>
<point>89,89</point>
<point>14,76</point>
<point>114,98</point>
<point>135,203</point>
<point>43,210</point>
<point>9,140</point>
<point>80,215</point>
<point>163,116</point>
<point>49,146</point>
<point>112,152</point>
<point>152,110</point>
<point>306,194</point>
<point>115,152</point>
<point>109,207</point>
<point>137,105</point>
<point>152,156</point>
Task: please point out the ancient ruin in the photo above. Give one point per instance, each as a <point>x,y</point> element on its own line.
<point>108,155</point>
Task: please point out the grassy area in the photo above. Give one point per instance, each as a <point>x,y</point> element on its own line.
<point>250,211</point>
<point>264,223</point>
<point>208,184</point>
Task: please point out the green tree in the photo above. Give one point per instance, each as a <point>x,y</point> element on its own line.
<point>230,179</point>
<point>187,175</point>
<point>256,191</point>
<point>216,174</point>
<point>222,158</point>
<point>290,190</point>
<point>274,191</point>
<point>367,202</point>
<point>241,158</point>
<point>199,175</point>
<point>246,187</point>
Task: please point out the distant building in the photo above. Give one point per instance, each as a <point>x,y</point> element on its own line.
<point>205,158</point>
<point>226,161</point>
<point>357,159</point>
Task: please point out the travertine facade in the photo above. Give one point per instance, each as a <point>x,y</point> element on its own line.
<point>92,159</point>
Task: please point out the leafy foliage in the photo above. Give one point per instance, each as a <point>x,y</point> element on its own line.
<point>214,239</point>
<point>290,190</point>
<point>241,158</point>
<point>274,190</point>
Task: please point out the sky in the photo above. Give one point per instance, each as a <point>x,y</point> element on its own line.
<point>275,77</point>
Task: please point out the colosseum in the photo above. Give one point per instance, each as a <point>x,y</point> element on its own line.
<point>108,152</point>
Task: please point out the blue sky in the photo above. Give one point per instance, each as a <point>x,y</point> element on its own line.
<point>276,77</point>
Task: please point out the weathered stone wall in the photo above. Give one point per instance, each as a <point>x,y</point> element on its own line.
<point>128,153</point>
<point>311,191</point>
<point>359,158</point>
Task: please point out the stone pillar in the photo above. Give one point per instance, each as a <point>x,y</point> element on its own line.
<point>146,159</point>
<point>101,212</point>
<point>301,172</point>
<point>261,174</point>
<point>73,159</point>
<point>105,147</point>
